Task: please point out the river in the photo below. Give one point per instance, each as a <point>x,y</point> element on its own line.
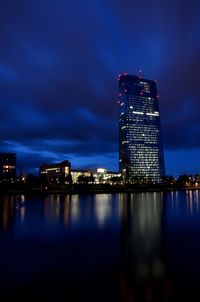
<point>101,247</point>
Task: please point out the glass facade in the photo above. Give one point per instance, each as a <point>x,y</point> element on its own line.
<point>140,142</point>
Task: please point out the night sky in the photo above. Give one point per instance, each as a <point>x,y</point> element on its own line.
<point>59,62</point>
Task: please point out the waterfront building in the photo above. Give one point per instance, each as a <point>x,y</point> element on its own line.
<point>56,173</point>
<point>104,176</point>
<point>141,157</point>
<point>99,176</point>
<point>77,175</point>
<point>7,167</point>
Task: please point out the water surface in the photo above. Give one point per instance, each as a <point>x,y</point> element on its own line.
<point>103,247</point>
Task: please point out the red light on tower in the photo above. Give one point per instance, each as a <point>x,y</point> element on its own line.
<point>125,90</point>
<point>158,96</point>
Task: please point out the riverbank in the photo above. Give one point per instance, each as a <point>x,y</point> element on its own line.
<point>95,189</point>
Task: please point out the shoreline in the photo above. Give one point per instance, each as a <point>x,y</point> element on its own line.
<point>90,190</point>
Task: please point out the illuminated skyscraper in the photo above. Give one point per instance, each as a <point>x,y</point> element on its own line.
<point>140,142</point>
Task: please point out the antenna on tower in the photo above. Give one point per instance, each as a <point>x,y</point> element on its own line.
<point>140,72</point>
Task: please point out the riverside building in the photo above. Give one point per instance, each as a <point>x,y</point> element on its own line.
<point>55,172</point>
<point>141,155</point>
<point>7,167</point>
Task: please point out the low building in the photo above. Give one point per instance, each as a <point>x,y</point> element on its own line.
<point>7,167</point>
<point>56,173</point>
<point>77,175</point>
<point>99,176</point>
<point>102,175</point>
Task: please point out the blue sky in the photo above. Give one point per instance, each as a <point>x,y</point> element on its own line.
<point>59,62</point>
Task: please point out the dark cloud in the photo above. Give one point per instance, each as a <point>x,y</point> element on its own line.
<point>59,62</point>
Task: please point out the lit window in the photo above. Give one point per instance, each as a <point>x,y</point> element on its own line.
<point>138,112</point>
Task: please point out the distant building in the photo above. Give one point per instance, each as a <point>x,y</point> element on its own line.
<point>78,174</point>
<point>140,141</point>
<point>102,175</point>
<point>7,166</point>
<point>55,172</point>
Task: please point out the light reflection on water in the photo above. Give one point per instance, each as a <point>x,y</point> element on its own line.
<point>71,209</point>
<point>6,212</point>
<point>145,242</point>
<point>99,208</point>
<point>103,208</point>
<point>184,203</point>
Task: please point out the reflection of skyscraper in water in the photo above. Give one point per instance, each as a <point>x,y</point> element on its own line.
<point>143,270</point>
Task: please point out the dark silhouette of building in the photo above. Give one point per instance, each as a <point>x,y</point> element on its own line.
<point>56,173</point>
<point>140,142</point>
<point>7,167</point>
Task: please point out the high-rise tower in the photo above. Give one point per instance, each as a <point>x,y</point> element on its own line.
<point>140,142</point>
